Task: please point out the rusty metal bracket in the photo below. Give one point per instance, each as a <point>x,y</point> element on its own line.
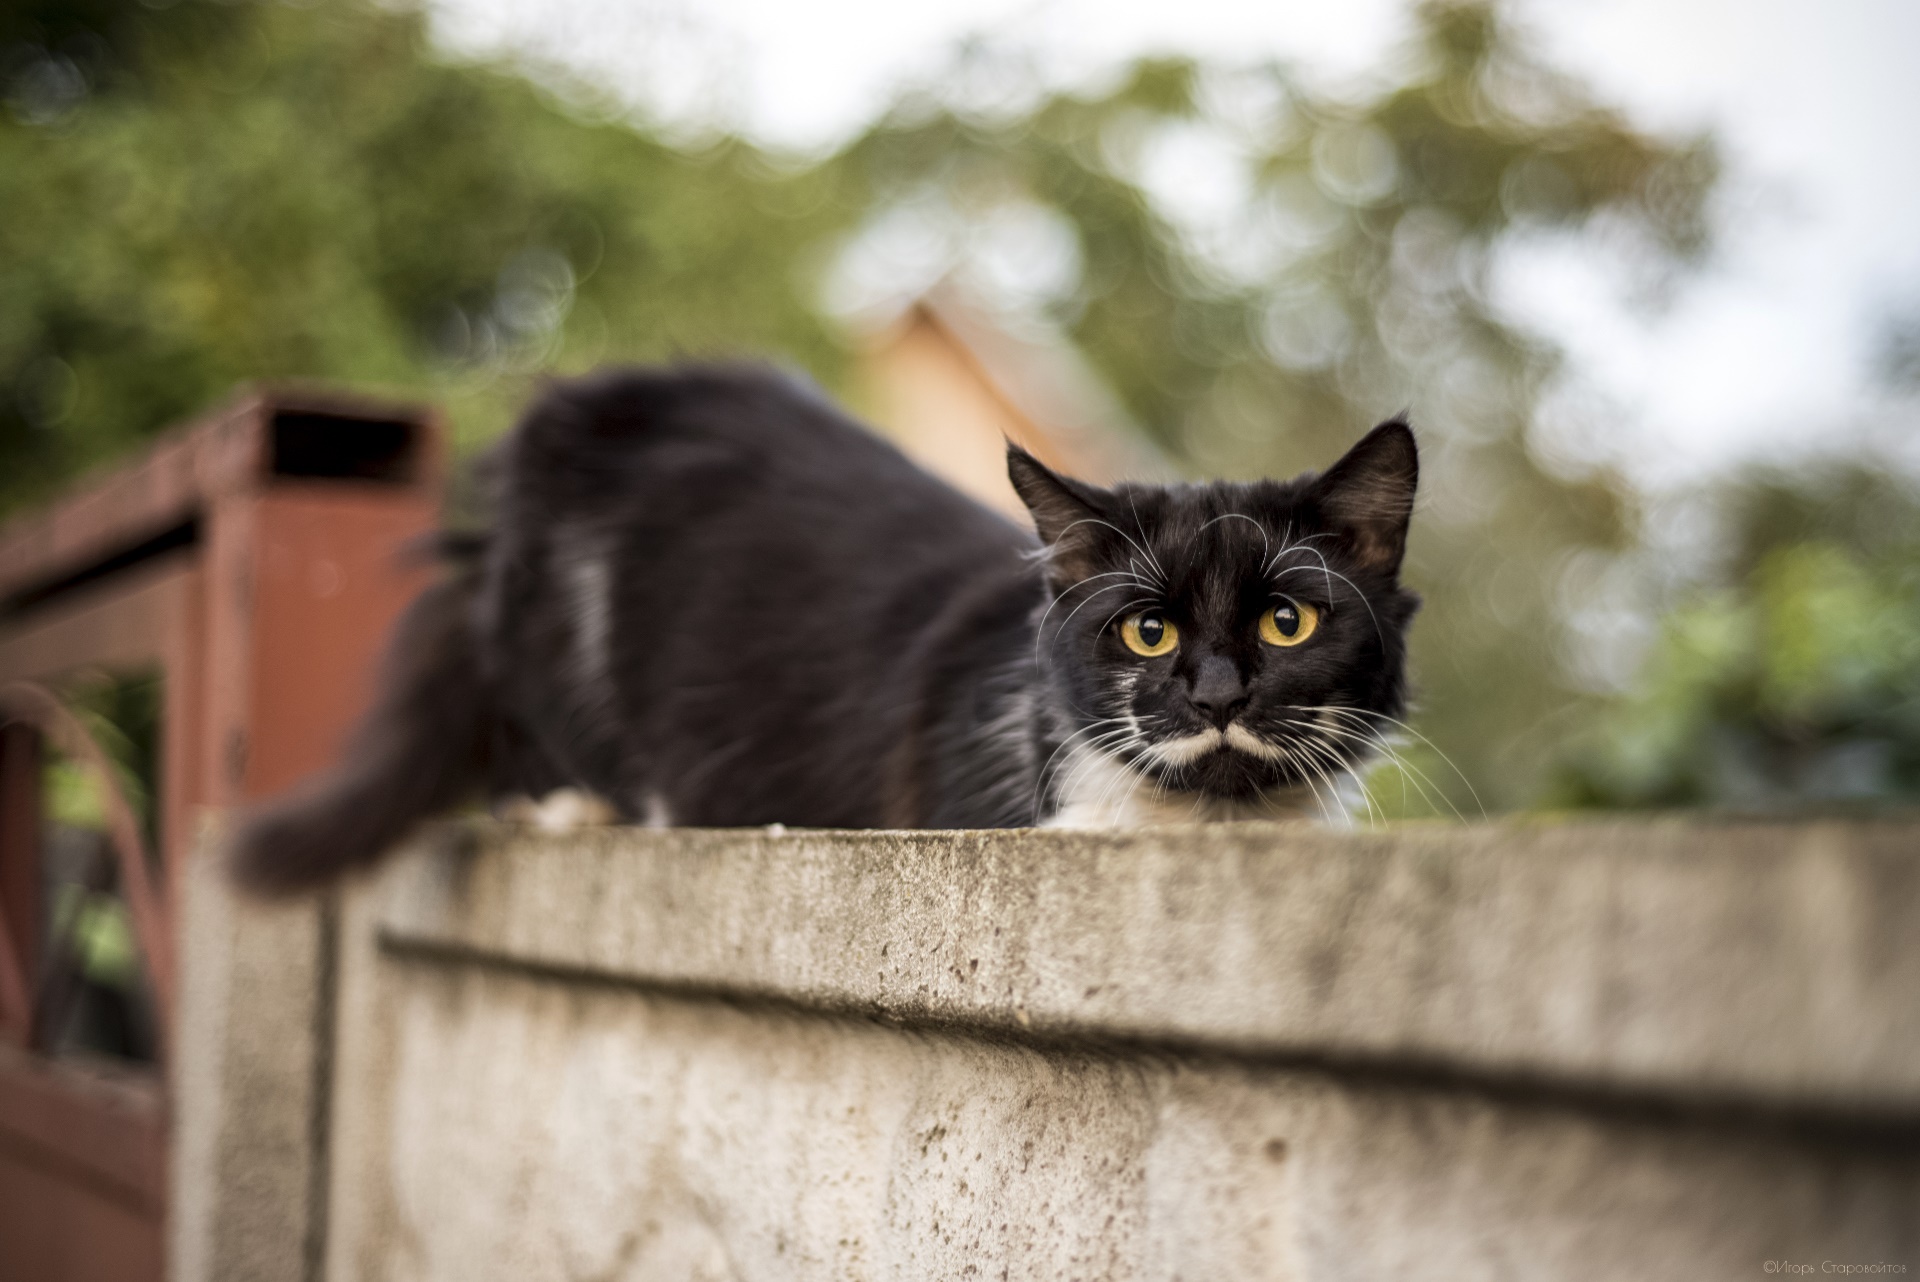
<point>30,703</point>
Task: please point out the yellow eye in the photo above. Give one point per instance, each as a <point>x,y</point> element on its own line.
<point>1288,622</point>
<point>1149,634</point>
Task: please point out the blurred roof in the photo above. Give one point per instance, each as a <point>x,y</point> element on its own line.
<point>951,382</point>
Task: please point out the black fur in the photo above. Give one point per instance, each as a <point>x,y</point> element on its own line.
<point>418,753</point>
<point>711,599</point>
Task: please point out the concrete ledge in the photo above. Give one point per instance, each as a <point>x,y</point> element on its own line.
<point>1766,964</point>
<point>249,1083</point>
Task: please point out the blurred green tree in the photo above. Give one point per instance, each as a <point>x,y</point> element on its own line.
<point>198,195</point>
<point>1792,676</point>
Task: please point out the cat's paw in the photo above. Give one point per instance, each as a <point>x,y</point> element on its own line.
<point>562,810</point>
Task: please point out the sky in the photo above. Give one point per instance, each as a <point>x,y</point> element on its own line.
<point>1764,354</point>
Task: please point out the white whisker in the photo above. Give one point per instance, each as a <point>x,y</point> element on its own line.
<point>1148,556</point>
<point>1360,714</point>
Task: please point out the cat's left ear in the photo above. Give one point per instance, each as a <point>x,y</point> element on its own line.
<point>1067,513</point>
<point>1368,495</point>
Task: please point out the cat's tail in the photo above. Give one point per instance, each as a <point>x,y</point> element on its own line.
<point>419,751</point>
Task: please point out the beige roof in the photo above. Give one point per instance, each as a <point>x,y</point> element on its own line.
<point>951,384</point>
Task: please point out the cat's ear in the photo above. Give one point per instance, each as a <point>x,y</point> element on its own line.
<point>1368,495</point>
<point>1067,513</point>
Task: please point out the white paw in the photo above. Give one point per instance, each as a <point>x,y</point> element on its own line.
<point>562,810</point>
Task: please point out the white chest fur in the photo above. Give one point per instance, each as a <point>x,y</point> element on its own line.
<point>1098,790</point>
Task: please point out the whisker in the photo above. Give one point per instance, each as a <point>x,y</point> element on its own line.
<point>1404,728</point>
<point>1266,544</point>
<point>1067,742</point>
<point>1075,586</point>
<point>1097,592</point>
<point>1360,714</point>
<point>1146,555</point>
<point>1300,768</point>
<point>1318,736</point>
<point>1115,728</point>
<point>1140,528</point>
<point>1108,621</point>
<point>1288,543</point>
<point>1094,749</point>
<point>1325,752</point>
<point>1332,574</point>
<point>1374,744</point>
<point>1040,630</point>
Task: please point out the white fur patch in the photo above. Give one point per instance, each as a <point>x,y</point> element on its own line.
<point>1187,748</point>
<point>656,814</point>
<point>590,583</point>
<point>1245,740</point>
<point>1098,790</point>
<point>562,810</point>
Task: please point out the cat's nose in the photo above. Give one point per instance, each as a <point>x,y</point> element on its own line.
<point>1218,693</point>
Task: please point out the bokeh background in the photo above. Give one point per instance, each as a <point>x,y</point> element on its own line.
<point>1646,276</point>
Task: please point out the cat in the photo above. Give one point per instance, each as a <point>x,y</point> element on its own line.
<point>710,598</point>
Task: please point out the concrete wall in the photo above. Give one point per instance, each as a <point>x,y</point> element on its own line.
<point>1594,1051</point>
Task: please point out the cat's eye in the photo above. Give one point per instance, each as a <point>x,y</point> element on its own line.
<point>1288,622</point>
<point>1149,634</point>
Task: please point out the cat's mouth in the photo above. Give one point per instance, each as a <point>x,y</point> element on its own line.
<point>1187,749</point>
<point>1234,762</point>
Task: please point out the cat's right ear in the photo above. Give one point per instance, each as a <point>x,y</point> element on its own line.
<point>1068,513</point>
<point>1368,495</point>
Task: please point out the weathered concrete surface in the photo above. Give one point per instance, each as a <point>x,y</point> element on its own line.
<point>1585,1052</point>
<point>1774,962</point>
<point>526,1128</point>
<point>251,1052</point>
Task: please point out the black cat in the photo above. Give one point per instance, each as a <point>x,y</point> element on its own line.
<point>711,599</point>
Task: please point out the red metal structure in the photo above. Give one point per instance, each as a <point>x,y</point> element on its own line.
<point>256,560</point>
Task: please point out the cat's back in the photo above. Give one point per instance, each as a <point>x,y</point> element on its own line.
<point>660,447</point>
<point>715,560</point>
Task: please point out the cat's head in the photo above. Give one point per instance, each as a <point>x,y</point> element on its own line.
<point>1230,639</point>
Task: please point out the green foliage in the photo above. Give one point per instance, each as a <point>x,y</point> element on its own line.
<point>100,929</point>
<point>121,714</point>
<point>1795,679</point>
<point>261,191</point>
